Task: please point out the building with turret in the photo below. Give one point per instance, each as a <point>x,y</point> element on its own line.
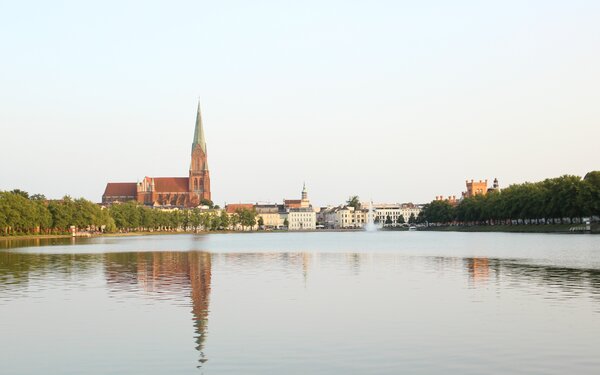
<point>300,213</point>
<point>475,188</point>
<point>171,192</point>
<point>479,188</point>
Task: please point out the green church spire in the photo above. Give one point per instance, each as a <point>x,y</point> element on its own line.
<point>199,132</point>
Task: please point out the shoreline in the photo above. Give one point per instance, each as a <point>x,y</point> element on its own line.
<point>553,228</point>
<point>133,234</point>
<point>548,228</point>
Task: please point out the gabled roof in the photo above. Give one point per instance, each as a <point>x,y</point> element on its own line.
<point>232,208</point>
<point>120,189</point>
<point>292,203</point>
<point>171,184</point>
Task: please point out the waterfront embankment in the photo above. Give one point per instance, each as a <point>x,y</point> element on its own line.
<point>551,228</point>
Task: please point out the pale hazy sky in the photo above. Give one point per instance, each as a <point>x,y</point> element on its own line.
<point>390,100</point>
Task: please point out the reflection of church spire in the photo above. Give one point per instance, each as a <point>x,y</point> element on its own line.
<point>305,265</point>
<point>200,276</point>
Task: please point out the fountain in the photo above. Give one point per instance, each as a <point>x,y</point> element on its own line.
<point>370,226</point>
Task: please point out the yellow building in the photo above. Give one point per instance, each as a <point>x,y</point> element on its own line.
<point>270,214</point>
<point>475,188</point>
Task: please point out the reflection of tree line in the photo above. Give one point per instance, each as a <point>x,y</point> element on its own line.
<point>17,269</point>
<point>10,243</point>
<point>571,281</point>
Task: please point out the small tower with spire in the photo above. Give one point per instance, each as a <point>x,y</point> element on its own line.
<point>199,178</point>
<point>304,202</point>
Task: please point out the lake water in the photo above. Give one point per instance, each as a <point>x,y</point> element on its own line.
<point>302,303</point>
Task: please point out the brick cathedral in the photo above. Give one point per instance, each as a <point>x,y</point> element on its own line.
<point>181,192</point>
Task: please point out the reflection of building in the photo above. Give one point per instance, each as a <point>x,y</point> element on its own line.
<point>181,274</point>
<point>200,277</point>
<point>479,268</point>
<point>169,191</point>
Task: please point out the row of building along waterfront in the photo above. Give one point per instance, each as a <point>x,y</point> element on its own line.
<point>301,215</point>
<point>193,191</point>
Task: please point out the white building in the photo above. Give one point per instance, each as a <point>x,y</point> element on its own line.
<point>349,217</point>
<point>300,213</point>
<point>393,211</point>
<point>302,219</point>
<point>409,209</point>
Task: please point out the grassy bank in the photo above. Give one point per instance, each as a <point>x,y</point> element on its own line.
<point>552,228</point>
<point>33,236</point>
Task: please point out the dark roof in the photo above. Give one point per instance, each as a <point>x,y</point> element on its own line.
<point>120,189</point>
<point>171,184</point>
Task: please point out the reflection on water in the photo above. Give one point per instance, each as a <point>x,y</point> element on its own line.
<point>163,275</point>
<point>12,243</point>
<point>166,275</point>
<point>479,269</point>
<point>568,282</point>
<point>300,312</point>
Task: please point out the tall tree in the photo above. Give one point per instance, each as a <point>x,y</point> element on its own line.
<point>353,201</point>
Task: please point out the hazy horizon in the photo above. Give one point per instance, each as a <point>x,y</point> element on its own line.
<point>391,101</point>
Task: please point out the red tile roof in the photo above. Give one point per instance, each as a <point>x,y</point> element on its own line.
<point>120,189</point>
<point>292,203</point>
<point>171,184</point>
<point>231,208</point>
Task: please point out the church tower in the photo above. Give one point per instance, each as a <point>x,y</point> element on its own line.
<point>304,202</point>
<point>199,181</point>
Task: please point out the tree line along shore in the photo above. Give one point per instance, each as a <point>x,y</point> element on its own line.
<point>546,206</point>
<point>25,215</point>
<point>550,205</point>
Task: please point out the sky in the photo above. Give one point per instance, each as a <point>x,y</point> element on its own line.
<point>394,101</point>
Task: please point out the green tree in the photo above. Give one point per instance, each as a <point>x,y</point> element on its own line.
<point>235,220</point>
<point>195,219</point>
<point>207,202</point>
<point>438,211</point>
<point>215,222</point>
<point>205,221</point>
<point>353,201</point>
<point>224,220</point>
<point>400,219</point>
<point>592,179</point>
<point>247,217</point>
<point>21,193</point>
<point>412,219</point>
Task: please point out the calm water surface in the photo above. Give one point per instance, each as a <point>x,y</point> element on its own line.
<point>302,303</point>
